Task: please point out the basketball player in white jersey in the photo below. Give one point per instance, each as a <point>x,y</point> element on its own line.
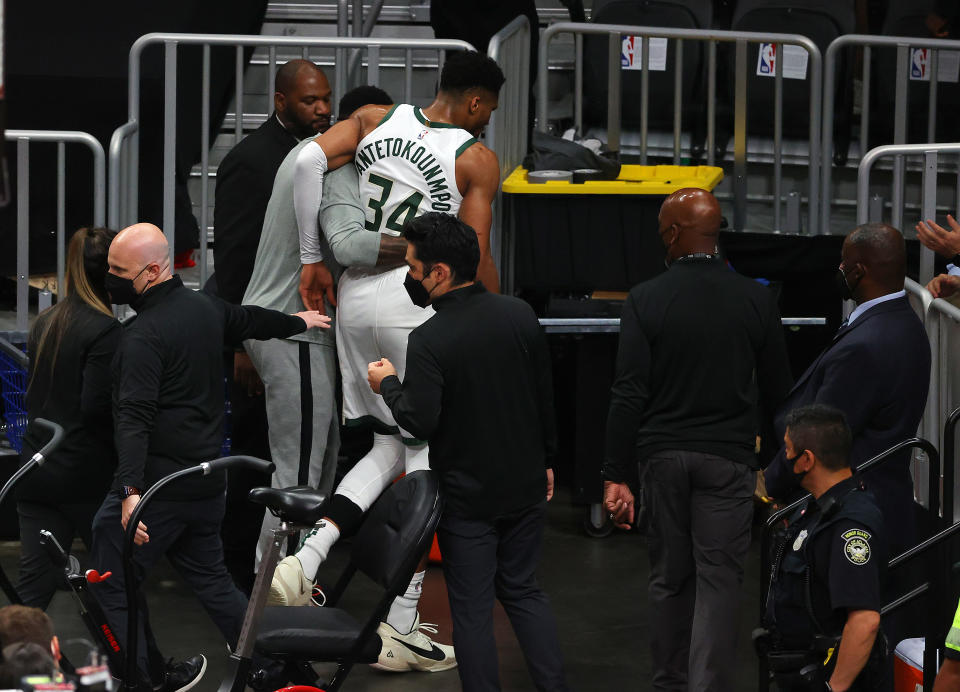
<point>409,161</point>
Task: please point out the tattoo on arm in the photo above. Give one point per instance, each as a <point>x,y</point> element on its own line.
<point>393,251</point>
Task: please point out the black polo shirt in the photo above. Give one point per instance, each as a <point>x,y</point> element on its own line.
<point>478,387</point>
<point>701,353</point>
<point>168,385</point>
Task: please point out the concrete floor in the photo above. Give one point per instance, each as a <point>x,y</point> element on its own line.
<point>597,587</point>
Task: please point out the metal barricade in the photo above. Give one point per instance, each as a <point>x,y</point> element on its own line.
<point>941,321</point>
<point>61,138</point>
<point>741,40</point>
<point>920,300</point>
<point>508,129</point>
<point>904,45</point>
<point>943,327</point>
<point>930,153</point>
<point>124,144</point>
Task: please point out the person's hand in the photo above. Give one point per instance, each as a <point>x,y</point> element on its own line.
<point>314,318</point>
<point>549,484</point>
<point>618,501</point>
<point>316,283</point>
<point>943,286</point>
<point>245,375</point>
<point>378,370</point>
<point>938,238</point>
<point>126,509</point>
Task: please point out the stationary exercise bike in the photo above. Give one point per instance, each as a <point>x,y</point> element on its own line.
<point>301,504</point>
<point>298,508</point>
<point>56,436</point>
<point>96,670</point>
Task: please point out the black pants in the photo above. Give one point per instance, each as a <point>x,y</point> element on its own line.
<point>188,533</point>
<point>249,436</point>
<point>483,559</point>
<point>697,509</point>
<point>39,579</point>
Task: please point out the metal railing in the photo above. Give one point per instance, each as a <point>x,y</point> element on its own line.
<point>611,325</point>
<point>124,144</point>
<point>61,138</point>
<point>712,38</point>
<point>930,153</point>
<point>943,328</point>
<point>509,128</point>
<point>941,322</point>
<point>920,299</point>
<point>903,44</point>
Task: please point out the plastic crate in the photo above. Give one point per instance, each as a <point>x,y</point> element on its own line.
<point>13,391</point>
<point>577,238</point>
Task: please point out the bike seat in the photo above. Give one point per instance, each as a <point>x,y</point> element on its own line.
<point>300,504</point>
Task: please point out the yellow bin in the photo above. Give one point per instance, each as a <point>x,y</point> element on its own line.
<point>596,235</point>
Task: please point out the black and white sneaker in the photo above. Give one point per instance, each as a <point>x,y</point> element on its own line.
<point>183,675</point>
<point>414,650</point>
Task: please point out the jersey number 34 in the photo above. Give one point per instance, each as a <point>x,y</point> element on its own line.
<point>405,210</point>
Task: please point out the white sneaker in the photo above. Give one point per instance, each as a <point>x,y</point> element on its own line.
<point>413,651</point>
<point>290,587</point>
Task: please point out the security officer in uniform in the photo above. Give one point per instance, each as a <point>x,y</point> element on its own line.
<point>822,615</point>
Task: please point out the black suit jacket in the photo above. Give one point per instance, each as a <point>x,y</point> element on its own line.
<point>244,183</point>
<point>877,371</point>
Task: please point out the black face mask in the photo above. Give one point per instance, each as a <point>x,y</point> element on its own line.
<point>419,295</point>
<point>844,288</point>
<point>798,477</point>
<point>121,290</point>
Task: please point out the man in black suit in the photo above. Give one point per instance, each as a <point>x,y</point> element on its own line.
<point>244,183</point>
<point>876,371</point>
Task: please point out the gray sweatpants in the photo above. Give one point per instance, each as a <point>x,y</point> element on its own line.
<point>299,380</point>
<point>698,509</point>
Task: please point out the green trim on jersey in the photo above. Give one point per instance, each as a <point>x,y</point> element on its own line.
<point>466,145</point>
<point>367,422</point>
<point>412,441</point>
<point>953,636</point>
<point>386,117</point>
<point>417,111</point>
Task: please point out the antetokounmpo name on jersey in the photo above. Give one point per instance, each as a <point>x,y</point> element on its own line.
<point>417,154</point>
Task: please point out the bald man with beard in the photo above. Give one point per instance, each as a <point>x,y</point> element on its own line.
<point>700,346</point>
<point>876,371</point>
<point>168,415</point>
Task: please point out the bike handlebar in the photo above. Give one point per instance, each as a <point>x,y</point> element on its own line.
<point>56,436</point>
<point>251,463</point>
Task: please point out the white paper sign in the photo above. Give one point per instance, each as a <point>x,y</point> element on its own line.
<point>794,61</point>
<point>948,65</point>
<point>631,56</point>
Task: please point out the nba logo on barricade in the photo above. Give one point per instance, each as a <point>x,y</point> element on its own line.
<point>918,63</point>
<point>630,52</point>
<point>767,60</point>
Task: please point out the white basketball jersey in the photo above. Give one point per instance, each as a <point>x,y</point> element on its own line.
<point>406,166</point>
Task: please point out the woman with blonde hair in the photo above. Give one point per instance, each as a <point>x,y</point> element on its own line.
<point>71,346</point>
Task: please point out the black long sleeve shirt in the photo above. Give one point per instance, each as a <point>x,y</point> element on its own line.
<point>478,387</point>
<point>698,345</point>
<point>168,383</point>
<point>244,184</point>
<point>71,386</point>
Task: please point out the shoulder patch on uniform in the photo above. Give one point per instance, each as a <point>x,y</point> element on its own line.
<point>856,546</point>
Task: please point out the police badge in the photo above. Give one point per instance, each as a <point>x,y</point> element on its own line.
<point>856,546</point>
